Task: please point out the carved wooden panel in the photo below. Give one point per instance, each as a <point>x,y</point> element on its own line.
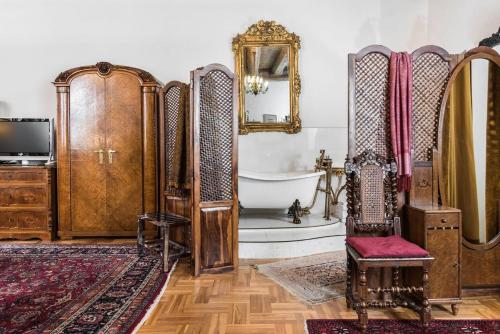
<point>217,238</point>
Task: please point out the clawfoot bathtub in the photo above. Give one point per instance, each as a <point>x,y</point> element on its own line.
<point>277,190</point>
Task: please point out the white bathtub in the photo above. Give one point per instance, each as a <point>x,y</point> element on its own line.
<point>276,190</point>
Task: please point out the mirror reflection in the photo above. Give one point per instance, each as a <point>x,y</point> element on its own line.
<point>471,149</point>
<point>267,83</point>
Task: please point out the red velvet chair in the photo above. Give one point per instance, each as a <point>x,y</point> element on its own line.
<point>375,249</point>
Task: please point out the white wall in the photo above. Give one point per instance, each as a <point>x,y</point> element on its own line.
<point>40,38</point>
<point>459,25</point>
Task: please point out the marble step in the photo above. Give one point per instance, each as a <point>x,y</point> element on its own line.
<point>272,235</point>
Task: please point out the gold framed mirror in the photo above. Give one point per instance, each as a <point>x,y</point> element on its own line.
<point>266,61</point>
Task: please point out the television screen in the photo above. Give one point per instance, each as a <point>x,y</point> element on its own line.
<point>25,136</point>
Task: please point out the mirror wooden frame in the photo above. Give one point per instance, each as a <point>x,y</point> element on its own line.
<point>481,52</point>
<point>269,33</point>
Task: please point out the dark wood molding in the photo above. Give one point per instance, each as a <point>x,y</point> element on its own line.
<point>105,69</point>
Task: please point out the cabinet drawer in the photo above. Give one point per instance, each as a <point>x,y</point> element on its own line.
<point>23,196</point>
<point>32,220</point>
<point>442,220</point>
<point>26,220</point>
<point>8,219</point>
<point>19,175</point>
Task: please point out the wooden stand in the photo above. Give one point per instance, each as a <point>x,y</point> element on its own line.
<point>27,202</point>
<point>438,230</point>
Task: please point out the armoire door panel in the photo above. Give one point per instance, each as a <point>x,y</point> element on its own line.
<point>88,196</point>
<point>123,196</point>
<point>86,119</point>
<point>123,151</point>
<point>445,268</point>
<point>216,237</point>
<point>87,130</point>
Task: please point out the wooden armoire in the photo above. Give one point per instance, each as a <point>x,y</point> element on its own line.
<point>106,149</point>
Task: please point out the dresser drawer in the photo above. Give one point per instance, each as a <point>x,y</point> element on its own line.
<point>19,175</point>
<point>31,196</point>
<point>442,220</point>
<point>27,220</point>
<point>8,219</point>
<point>32,220</point>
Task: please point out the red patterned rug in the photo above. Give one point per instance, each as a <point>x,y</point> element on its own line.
<point>404,327</point>
<point>77,289</point>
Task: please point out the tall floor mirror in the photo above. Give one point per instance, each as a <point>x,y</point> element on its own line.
<point>470,148</point>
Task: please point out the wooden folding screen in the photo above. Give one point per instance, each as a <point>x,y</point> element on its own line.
<point>214,92</point>
<point>174,103</point>
<point>369,124</point>
<point>432,67</point>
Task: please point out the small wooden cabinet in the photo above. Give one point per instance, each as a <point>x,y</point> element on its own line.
<point>27,202</point>
<point>438,230</point>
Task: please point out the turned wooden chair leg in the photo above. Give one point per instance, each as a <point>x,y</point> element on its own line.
<point>362,306</point>
<point>164,247</point>
<point>455,308</point>
<point>140,236</point>
<point>426,307</point>
<point>348,290</point>
<point>395,276</point>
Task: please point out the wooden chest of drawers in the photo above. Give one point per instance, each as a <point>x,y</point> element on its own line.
<point>27,202</point>
<point>438,230</point>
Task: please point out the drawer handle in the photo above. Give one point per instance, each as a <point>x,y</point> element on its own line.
<point>444,220</point>
<point>423,183</point>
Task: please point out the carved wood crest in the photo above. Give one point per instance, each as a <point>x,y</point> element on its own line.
<point>353,190</point>
<point>105,69</point>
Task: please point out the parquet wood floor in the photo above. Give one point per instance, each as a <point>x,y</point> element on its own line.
<point>246,302</point>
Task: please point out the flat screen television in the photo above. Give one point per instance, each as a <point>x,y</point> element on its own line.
<point>25,136</point>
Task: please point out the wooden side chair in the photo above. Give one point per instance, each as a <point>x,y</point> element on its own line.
<point>374,242</point>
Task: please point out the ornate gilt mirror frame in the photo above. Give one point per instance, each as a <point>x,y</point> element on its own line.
<point>269,33</point>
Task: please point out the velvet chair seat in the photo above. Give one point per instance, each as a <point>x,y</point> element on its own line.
<point>386,247</point>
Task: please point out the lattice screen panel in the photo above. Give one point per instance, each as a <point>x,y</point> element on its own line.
<point>216,136</point>
<point>372,104</point>
<point>430,75</point>
<point>172,111</point>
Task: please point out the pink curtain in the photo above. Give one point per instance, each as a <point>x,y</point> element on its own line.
<point>401,106</point>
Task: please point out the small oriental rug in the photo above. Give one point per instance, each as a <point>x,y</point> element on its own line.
<point>403,327</point>
<point>77,288</point>
<point>313,279</point>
